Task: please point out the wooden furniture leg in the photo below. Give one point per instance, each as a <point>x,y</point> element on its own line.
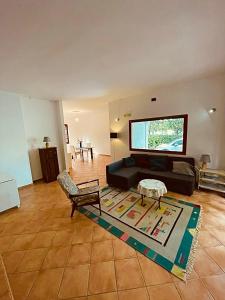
<point>159,202</point>
<point>73,209</point>
<point>91,153</point>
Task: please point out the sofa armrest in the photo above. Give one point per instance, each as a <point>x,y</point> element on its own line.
<point>114,166</point>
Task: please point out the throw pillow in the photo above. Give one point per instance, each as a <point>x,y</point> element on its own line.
<point>129,162</point>
<point>182,167</point>
<point>158,164</point>
<point>142,162</point>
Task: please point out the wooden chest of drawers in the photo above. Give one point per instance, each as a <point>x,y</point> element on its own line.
<point>49,163</point>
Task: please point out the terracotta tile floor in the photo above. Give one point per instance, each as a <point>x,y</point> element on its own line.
<point>48,255</point>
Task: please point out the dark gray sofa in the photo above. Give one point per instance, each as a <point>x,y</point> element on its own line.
<point>123,177</point>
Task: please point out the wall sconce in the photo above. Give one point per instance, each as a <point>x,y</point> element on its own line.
<point>76,119</point>
<point>117,119</point>
<point>212,110</point>
<point>113,135</point>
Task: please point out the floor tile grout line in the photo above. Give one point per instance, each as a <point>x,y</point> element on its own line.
<point>6,278</point>
<point>57,205</point>
<point>178,290</point>
<point>210,293</point>
<point>32,284</point>
<point>114,264</point>
<point>142,275</point>
<point>88,281</point>
<point>214,259</point>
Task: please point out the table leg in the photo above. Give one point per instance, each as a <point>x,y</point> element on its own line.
<point>159,202</point>
<point>92,153</point>
<point>142,200</point>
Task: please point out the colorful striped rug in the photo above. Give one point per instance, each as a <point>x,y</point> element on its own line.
<point>167,235</point>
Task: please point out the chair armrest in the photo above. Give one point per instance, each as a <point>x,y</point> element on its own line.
<point>85,182</point>
<point>88,190</point>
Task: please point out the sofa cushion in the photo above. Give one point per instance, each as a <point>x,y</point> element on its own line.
<point>187,159</point>
<point>166,174</point>
<point>182,167</point>
<point>158,163</point>
<point>126,172</point>
<point>142,161</point>
<point>128,162</point>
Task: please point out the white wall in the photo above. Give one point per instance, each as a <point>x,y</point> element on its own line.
<point>93,126</point>
<point>41,118</point>
<point>23,124</point>
<point>206,133</point>
<point>14,158</point>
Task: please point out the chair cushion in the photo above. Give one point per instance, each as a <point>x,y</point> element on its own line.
<point>86,199</point>
<point>67,183</point>
<point>87,190</point>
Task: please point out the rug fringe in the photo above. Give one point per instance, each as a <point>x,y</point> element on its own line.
<point>191,259</point>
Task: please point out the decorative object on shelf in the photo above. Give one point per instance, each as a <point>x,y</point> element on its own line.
<point>211,179</point>
<point>205,158</point>
<point>212,110</point>
<point>66,132</point>
<point>113,135</point>
<point>49,163</point>
<point>46,140</point>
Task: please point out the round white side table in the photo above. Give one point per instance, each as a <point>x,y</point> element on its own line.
<point>151,188</point>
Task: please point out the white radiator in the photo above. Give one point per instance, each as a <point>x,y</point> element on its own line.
<point>9,196</point>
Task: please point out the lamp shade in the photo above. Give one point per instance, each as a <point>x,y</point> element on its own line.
<point>46,139</point>
<point>113,135</point>
<point>205,158</point>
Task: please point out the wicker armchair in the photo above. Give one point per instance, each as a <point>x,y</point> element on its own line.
<point>77,195</point>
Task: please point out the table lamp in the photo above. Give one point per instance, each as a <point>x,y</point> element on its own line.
<point>46,140</point>
<point>205,158</point>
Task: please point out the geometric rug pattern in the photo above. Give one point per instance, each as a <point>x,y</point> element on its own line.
<point>167,235</point>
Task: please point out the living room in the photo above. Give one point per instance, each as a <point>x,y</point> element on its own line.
<point>137,211</point>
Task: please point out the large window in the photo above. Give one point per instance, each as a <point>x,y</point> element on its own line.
<point>165,134</point>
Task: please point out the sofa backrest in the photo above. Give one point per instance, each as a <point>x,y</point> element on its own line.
<point>187,159</point>
<point>144,158</point>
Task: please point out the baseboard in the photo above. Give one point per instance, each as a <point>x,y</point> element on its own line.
<point>30,184</point>
<point>25,186</point>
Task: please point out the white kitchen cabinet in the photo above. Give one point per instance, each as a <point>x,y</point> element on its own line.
<point>9,196</point>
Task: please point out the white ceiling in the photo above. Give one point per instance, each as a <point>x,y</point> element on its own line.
<point>72,49</point>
